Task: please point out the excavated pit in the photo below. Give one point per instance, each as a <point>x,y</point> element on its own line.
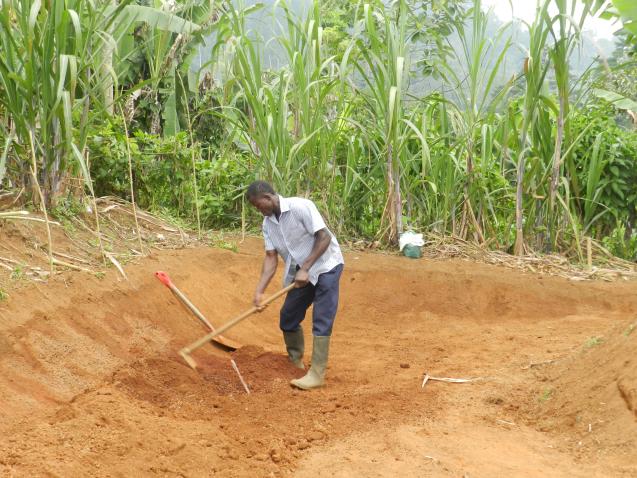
<point>92,385</point>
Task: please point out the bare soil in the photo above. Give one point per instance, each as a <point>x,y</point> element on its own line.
<point>91,383</point>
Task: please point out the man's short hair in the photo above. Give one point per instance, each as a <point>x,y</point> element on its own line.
<point>259,188</point>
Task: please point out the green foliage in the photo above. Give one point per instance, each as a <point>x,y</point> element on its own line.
<point>347,117</point>
<point>546,395</point>
<point>162,171</point>
<point>337,19</point>
<point>57,64</point>
<point>18,273</point>
<point>43,55</point>
<point>593,342</point>
<point>155,45</point>
<point>222,182</point>
<point>4,296</point>
<point>621,82</point>
<point>622,242</point>
<point>612,195</point>
<point>627,11</point>
<point>66,208</point>
<point>161,167</point>
<point>219,241</point>
<point>208,127</point>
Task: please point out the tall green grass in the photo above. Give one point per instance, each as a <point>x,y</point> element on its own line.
<point>482,157</point>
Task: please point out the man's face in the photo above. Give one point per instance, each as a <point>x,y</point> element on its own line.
<point>264,203</point>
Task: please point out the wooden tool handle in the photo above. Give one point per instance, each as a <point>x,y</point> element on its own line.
<point>164,278</point>
<point>207,338</point>
<point>192,307</point>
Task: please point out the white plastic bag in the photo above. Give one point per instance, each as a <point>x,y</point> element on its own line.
<point>410,237</point>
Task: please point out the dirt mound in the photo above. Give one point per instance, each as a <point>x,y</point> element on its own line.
<point>592,395</point>
<point>163,380</point>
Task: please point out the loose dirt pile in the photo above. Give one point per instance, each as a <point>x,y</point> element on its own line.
<point>91,384</point>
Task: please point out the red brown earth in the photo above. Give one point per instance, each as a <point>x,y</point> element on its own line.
<point>91,384</point>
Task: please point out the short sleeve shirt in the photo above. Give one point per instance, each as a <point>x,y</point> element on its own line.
<point>292,236</point>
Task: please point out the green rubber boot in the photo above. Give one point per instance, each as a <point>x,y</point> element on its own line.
<point>295,344</point>
<point>314,378</point>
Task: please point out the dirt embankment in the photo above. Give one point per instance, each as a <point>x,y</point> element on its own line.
<point>592,395</point>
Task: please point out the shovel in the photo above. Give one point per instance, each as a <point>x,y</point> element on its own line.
<point>186,351</point>
<point>165,279</point>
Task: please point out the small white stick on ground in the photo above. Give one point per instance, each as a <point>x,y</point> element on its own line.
<point>452,380</point>
<point>505,422</point>
<point>116,264</point>
<point>236,369</point>
<point>448,380</point>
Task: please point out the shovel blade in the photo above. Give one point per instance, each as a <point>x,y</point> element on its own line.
<point>226,342</point>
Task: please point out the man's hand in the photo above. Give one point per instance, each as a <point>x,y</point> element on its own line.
<point>301,278</point>
<point>258,298</point>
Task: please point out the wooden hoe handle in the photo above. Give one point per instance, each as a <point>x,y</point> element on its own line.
<point>165,279</point>
<point>186,351</point>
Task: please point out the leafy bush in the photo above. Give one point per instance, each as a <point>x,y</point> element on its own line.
<point>622,243</point>
<point>162,174</point>
<point>162,167</point>
<point>617,192</point>
<point>222,182</point>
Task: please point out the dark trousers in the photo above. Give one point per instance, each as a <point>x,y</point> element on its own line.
<point>324,296</point>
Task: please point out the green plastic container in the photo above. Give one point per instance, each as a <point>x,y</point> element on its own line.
<point>414,252</point>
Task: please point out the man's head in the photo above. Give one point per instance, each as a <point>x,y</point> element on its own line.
<point>262,196</point>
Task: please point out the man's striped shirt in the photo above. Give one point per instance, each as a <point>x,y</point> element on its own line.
<point>292,236</point>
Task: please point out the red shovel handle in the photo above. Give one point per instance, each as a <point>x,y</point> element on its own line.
<point>164,279</point>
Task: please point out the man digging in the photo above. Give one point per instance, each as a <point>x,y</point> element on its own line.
<point>294,229</point>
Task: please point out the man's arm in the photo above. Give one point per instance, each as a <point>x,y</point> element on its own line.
<point>322,240</point>
<point>270,262</point>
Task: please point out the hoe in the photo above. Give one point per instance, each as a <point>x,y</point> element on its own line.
<point>219,339</point>
<point>215,334</point>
